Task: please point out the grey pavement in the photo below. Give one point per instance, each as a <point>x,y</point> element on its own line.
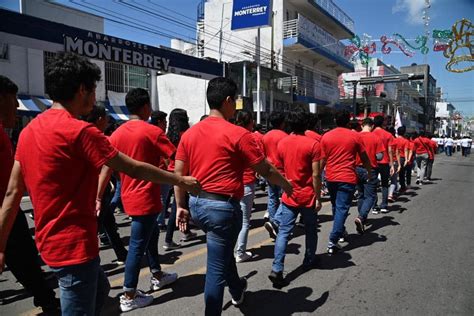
<point>416,260</point>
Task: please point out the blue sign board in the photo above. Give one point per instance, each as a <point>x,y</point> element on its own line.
<point>251,14</point>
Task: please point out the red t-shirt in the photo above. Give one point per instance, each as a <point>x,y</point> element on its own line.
<point>340,147</point>
<point>372,145</point>
<point>313,135</point>
<point>148,143</point>
<point>399,144</point>
<point>6,159</point>
<point>249,173</point>
<point>386,138</point>
<point>411,146</point>
<point>433,146</point>
<point>422,145</point>
<point>296,154</point>
<point>60,158</point>
<point>270,144</point>
<point>259,136</point>
<point>217,153</point>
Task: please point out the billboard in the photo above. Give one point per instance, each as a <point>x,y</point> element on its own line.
<point>251,14</point>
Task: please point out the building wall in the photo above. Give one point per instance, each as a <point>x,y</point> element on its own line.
<point>175,91</point>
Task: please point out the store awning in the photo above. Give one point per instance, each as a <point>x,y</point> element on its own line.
<point>116,106</point>
<point>27,106</point>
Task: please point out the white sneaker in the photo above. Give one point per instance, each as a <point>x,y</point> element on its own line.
<point>140,300</point>
<point>166,279</point>
<point>383,210</point>
<point>266,215</point>
<point>243,257</point>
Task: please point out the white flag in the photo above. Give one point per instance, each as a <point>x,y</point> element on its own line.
<point>398,121</point>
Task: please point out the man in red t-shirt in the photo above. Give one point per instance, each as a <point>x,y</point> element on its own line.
<point>299,157</point>
<point>433,149</point>
<point>386,167</point>
<point>270,144</point>
<point>58,160</point>
<point>339,149</point>
<point>313,127</point>
<point>423,152</point>
<point>405,156</point>
<point>219,163</point>
<point>21,255</point>
<point>367,186</point>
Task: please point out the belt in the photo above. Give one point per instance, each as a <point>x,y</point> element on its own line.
<point>216,197</point>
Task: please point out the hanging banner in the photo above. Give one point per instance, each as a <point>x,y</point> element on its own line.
<point>251,14</point>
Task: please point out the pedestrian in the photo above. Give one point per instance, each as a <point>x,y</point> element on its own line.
<point>218,163</point>
<point>448,145</point>
<point>423,151</point>
<point>270,144</point>
<point>106,220</point>
<point>433,147</point>
<point>19,250</point>
<point>339,148</point>
<point>405,157</point>
<point>298,156</point>
<point>411,160</point>
<point>178,124</point>
<point>141,199</point>
<point>397,147</point>
<point>312,130</point>
<point>465,146</point>
<point>386,167</point>
<point>245,120</point>
<point>367,183</point>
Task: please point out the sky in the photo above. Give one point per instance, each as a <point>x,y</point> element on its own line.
<point>372,17</point>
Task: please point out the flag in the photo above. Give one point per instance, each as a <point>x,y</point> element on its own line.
<point>398,121</point>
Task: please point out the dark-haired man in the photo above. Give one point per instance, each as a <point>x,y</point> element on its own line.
<point>141,200</point>
<point>58,159</point>
<point>386,168</point>
<point>298,156</point>
<point>422,148</point>
<point>312,127</point>
<point>270,144</point>
<point>339,148</point>
<point>367,185</point>
<point>405,155</point>
<point>21,255</point>
<point>219,163</point>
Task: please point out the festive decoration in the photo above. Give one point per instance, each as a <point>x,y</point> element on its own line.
<point>419,40</point>
<point>441,39</point>
<point>462,30</point>
<point>360,49</point>
<point>386,50</point>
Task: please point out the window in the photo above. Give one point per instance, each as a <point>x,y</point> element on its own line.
<point>47,60</point>
<point>122,78</point>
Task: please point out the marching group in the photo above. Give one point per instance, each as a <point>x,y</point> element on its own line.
<point>75,176</point>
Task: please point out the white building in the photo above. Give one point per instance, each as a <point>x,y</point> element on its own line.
<point>29,40</point>
<point>444,116</point>
<point>304,42</point>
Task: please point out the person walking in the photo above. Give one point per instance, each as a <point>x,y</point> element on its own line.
<point>423,151</point>
<point>219,164</point>
<point>448,145</point>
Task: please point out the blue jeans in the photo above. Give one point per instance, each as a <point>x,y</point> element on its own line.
<point>367,191</point>
<point>117,198</point>
<point>384,171</point>
<point>274,194</point>
<point>246,205</point>
<point>287,216</point>
<point>222,222</point>
<point>82,288</point>
<point>341,197</point>
<point>449,150</point>
<point>143,237</point>
<point>164,190</point>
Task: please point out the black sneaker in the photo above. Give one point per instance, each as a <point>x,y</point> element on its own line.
<point>240,300</point>
<point>359,226</point>
<point>272,229</point>
<point>277,279</point>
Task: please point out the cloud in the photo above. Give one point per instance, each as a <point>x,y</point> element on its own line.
<point>414,8</point>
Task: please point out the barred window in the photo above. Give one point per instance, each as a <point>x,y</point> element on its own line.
<point>122,78</point>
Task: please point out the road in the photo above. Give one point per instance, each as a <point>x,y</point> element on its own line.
<point>416,260</point>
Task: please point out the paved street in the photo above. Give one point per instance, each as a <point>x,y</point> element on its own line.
<point>416,260</point>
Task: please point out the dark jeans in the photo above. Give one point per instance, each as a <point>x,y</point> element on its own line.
<point>402,175</point>
<point>449,150</point>
<point>384,171</point>
<point>21,257</point>
<point>143,238</point>
<point>221,221</point>
<point>274,194</point>
<point>341,197</point>
<point>367,191</point>
<point>429,168</point>
<point>287,217</point>
<point>83,288</point>
<point>108,225</point>
<point>407,172</point>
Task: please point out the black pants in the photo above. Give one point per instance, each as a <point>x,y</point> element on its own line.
<point>429,168</point>
<point>21,257</point>
<point>408,169</point>
<point>402,175</point>
<point>108,225</point>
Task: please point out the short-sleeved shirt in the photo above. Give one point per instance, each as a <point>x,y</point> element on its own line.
<point>465,142</point>
<point>399,144</point>
<point>433,147</point>
<point>249,173</point>
<point>422,145</point>
<point>340,147</point>
<point>60,158</point>
<point>449,142</point>
<point>270,144</point>
<point>6,158</point>
<point>387,139</point>
<point>372,145</point>
<point>217,152</point>
<point>148,143</point>
<point>313,135</point>
<point>296,153</point>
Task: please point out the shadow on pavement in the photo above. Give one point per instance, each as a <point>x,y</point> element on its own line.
<point>397,208</point>
<point>375,223</point>
<point>186,286</point>
<point>357,241</point>
<point>267,251</point>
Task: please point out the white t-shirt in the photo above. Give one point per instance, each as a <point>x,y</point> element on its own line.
<point>449,142</point>
<point>465,142</point>
<point>440,141</point>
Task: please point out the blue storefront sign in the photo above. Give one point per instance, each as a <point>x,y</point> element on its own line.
<point>251,14</point>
